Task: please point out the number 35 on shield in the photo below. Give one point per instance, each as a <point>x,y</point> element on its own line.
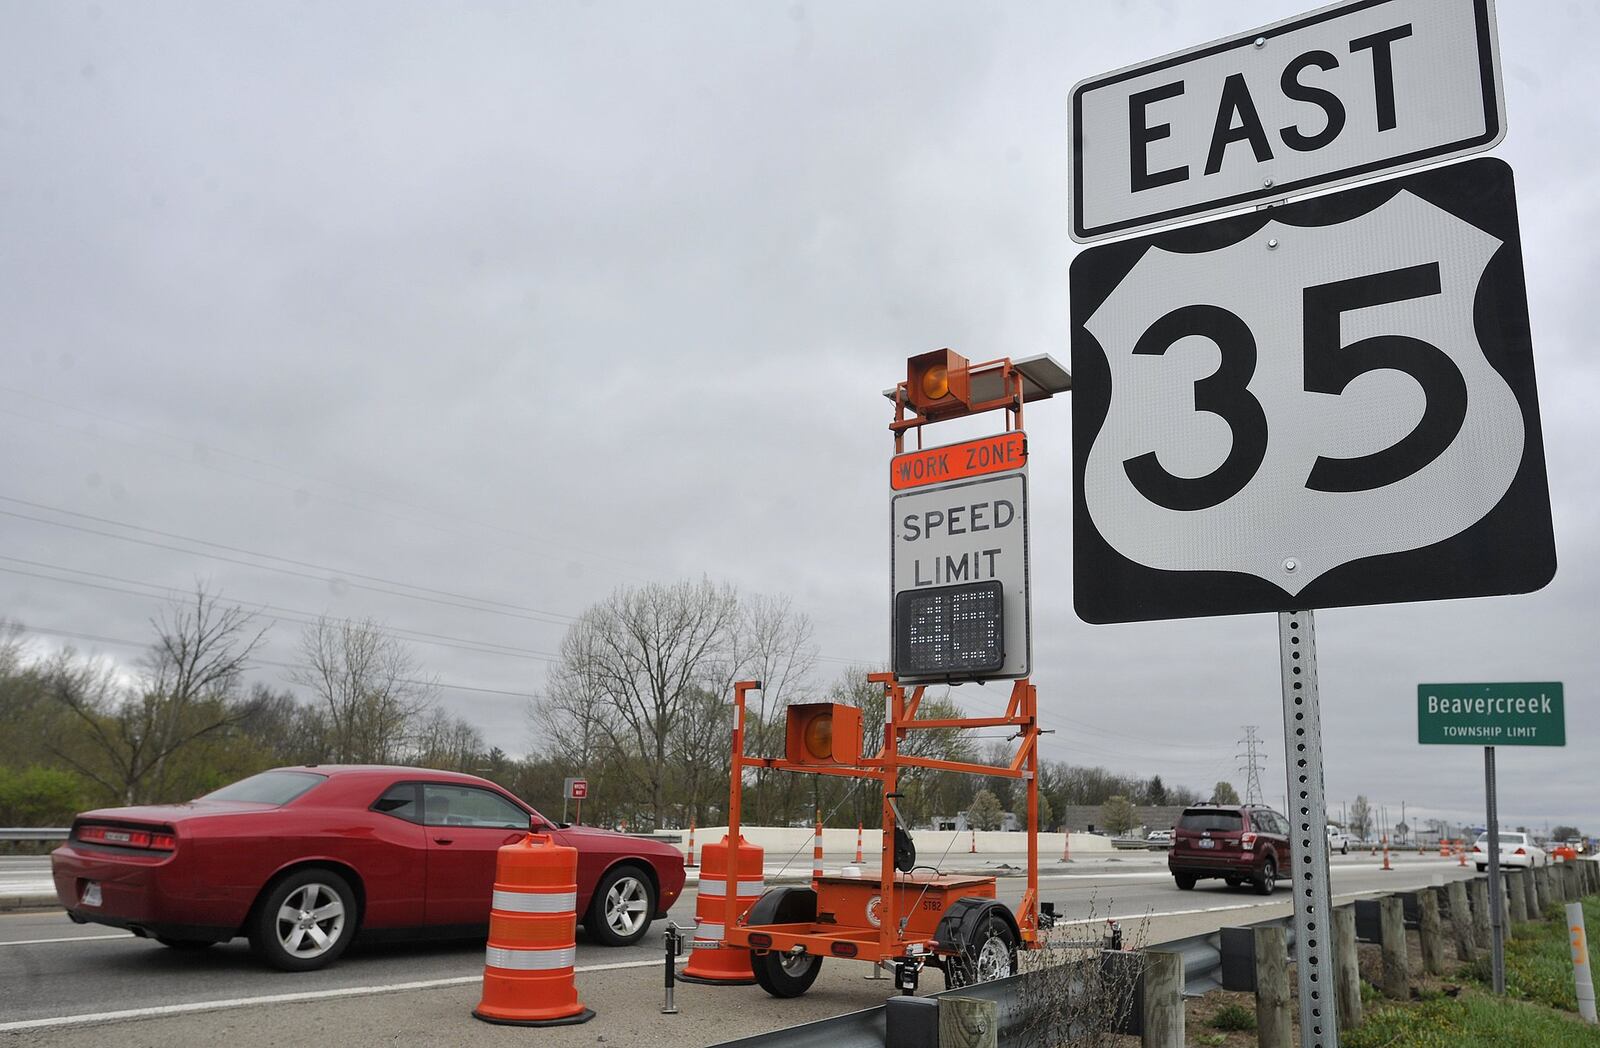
<point>1288,392</point>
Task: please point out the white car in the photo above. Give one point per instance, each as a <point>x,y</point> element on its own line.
<point>1516,849</point>
<point>1159,839</point>
<point>1338,840</point>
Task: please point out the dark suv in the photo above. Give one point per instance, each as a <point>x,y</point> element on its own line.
<point>1237,842</point>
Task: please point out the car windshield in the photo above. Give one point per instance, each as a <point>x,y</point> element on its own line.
<point>270,787</point>
<point>1210,819</point>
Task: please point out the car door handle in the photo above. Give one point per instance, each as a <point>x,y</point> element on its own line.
<point>444,840</point>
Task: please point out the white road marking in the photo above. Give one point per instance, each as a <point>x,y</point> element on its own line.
<point>73,938</point>
<point>277,998</point>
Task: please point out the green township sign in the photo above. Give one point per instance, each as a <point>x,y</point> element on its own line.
<point>1491,714</point>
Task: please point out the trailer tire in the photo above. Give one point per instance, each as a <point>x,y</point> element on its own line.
<point>989,953</point>
<point>786,974</point>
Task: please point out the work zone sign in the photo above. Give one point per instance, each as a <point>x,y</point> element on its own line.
<point>959,565</point>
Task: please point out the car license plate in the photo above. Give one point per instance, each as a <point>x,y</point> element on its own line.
<point>91,893</point>
<point>1207,842</point>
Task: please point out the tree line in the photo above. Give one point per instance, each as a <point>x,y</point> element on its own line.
<point>638,703</point>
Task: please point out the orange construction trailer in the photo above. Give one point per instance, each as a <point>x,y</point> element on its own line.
<point>910,915</point>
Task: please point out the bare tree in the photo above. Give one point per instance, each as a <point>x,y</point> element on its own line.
<point>777,649</point>
<point>570,720</point>
<point>447,742</point>
<point>368,682</point>
<point>190,673</point>
<point>647,651</point>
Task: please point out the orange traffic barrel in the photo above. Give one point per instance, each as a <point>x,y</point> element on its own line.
<point>721,964</point>
<point>528,971</point>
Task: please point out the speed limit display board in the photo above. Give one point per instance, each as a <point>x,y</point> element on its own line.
<point>1327,403</point>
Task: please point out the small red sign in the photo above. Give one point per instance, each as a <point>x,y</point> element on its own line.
<point>578,790</point>
<point>972,458</point>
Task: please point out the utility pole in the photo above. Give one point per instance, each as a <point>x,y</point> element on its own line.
<point>1252,761</point>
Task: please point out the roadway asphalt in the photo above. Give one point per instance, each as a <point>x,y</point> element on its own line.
<point>67,984</point>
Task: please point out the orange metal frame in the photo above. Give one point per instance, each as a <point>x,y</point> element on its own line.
<point>1010,402</point>
<point>897,932</point>
<point>894,936</point>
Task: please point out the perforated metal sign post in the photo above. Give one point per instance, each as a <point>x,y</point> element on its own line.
<point>1323,404</point>
<point>1326,98</point>
<point>959,565</point>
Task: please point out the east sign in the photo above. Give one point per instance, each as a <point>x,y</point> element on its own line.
<point>1324,404</point>
<point>959,562</point>
<point>1330,97</point>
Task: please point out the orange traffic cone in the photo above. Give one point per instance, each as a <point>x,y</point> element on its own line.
<point>528,969</point>
<point>858,843</point>
<point>1461,850</point>
<point>688,863</point>
<point>712,962</point>
<point>1066,844</point>
<point>974,849</point>
<point>1386,865</point>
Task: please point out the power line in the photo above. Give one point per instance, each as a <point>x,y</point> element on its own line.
<point>206,449</point>
<point>309,618</point>
<point>124,642</point>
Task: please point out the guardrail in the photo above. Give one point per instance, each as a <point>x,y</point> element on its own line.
<point>25,833</point>
<point>1222,959</point>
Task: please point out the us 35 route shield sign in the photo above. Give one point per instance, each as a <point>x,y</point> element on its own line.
<point>1323,404</point>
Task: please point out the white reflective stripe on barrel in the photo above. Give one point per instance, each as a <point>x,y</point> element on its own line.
<point>536,902</point>
<point>718,887</point>
<point>712,932</point>
<point>533,960</point>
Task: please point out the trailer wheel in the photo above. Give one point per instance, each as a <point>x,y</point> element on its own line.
<point>786,974</point>
<point>991,953</point>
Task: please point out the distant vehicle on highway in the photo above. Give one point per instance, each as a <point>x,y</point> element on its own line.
<point>1236,842</point>
<point>1338,840</point>
<point>1576,844</point>
<point>1516,849</point>
<point>300,860</point>
<point>1159,839</point>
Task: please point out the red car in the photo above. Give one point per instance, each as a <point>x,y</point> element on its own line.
<point>1238,842</point>
<point>301,859</point>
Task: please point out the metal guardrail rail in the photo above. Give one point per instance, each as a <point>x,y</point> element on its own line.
<point>26,833</point>
<point>1222,959</point>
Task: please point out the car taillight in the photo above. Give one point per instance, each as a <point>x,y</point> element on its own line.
<point>1477,847</point>
<point>150,840</point>
<point>1247,840</point>
<point>1520,851</point>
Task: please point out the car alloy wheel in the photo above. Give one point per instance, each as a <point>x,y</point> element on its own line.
<point>305,920</point>
<point>623,907</point>
<point>626,904</point>
<point>1268,879</point>
<point>310,921</point>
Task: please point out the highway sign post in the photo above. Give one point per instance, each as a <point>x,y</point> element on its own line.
<point>1324,403</point>
<point>1491,715</point>
<point>576,790</point>
<point>1330,97</point>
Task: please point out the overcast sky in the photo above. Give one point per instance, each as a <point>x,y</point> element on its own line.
<point>520,303</point>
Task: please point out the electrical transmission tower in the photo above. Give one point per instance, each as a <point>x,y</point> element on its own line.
<point>1251,762</point>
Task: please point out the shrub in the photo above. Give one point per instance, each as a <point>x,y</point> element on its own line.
<point>1233,1016</point>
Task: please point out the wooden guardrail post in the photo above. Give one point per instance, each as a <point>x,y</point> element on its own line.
<point>1392,927</point>
<point>1429,932</point>
<point>1478,888</point>
<point>1346,971</point>
<point>968,1022</point>
<point>1162,1004</point>
<point>1518,897</point>
<point>1541,888</point>
<point>1273,1027</point>
<point>1530,897</point>
<point>1461,921</point>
